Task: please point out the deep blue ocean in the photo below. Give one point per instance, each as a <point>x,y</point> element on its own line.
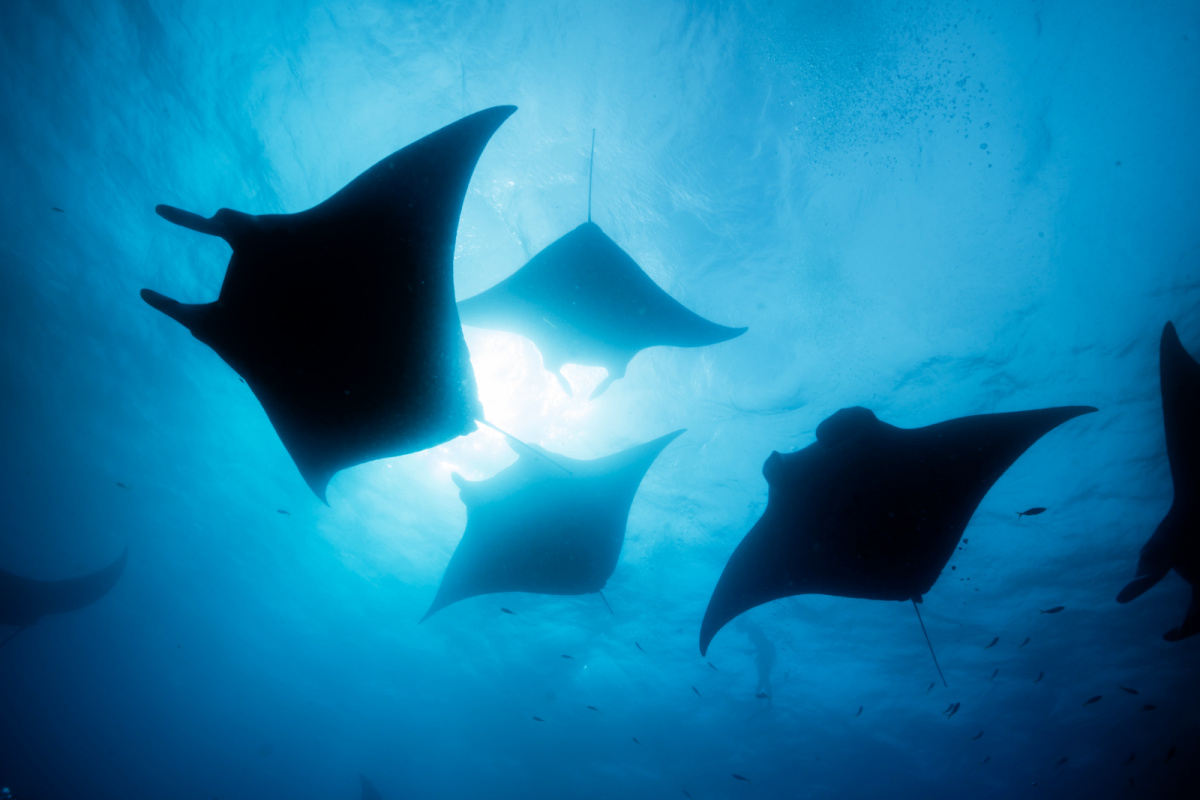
<point>930,209</point>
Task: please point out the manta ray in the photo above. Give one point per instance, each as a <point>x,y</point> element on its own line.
<point>584,300</point>
<point>871,510</point>
<point>23,601</point>
<point>341,319</point>
<point>1175,544</point>
<point>534,527</point>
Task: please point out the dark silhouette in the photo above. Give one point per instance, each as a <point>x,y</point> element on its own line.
<point>341,318</point>
<point>537,528</point>
<point>23,601</point>
<point>871,510</point>
<point>1176,542</point>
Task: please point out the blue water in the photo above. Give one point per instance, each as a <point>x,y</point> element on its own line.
<point>929,209</point>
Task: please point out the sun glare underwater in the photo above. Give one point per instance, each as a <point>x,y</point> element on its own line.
<point>577,399</point>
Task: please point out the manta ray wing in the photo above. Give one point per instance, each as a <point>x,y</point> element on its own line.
<point>23,601</point>
<point>1176,542</point>
<point>870,510</point>
<point>341,318</point>
<point>583,300</point>
<point>535,528</point>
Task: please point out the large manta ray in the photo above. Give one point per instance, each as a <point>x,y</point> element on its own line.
<point>871,510</point>
<point>23,601</point>
<point>584,300</point>
<point>1176,542</point>
<point>341,318</point>
<point>535,527</point>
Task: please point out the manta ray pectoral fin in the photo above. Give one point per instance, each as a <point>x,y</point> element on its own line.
<point>1191,623</point>
<point>1136,587</point>
<point>190,315</point>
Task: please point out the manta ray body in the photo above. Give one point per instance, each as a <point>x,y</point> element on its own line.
<point>341,319</point>
<point>871,510</point>
<point>1175,544</point>
<point>534,527</point>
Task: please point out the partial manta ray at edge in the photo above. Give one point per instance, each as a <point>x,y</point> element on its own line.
<point>23,601</point>
<point>584,300</point>
<point>341,319</point>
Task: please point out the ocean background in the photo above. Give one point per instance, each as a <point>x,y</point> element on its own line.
<point>931,209</point>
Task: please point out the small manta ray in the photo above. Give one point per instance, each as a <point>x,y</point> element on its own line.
<point>1176,542</point>
<point>369,792</point>
<point>534,527</point>
<point>341,318</point>
<point>584,300</point>
<point>23,601</point>
<point>871,510</point>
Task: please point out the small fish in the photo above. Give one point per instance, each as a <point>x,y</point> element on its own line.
<point>1030,512</point>
<point>737,777</point>
<point>952,710</point>
<point>993,643</point>
<point>635,741</point>
<point>593,708</point>
<point>1127,690</point>
<point>977,737</point>
<point>948,708</point>
<point>697,691</point>
<point>1129,760</point>
<point>506,611</point>
<point>1062,761</point>
<point>1170,755</point>
<point>283,511</point>
<point>538,719</point>
<point>995,672</point>
<point>685,792</point>
<point>1054,610</point>
<point>1022,644</point>
<point>123,486</point>
<point>985,760</point>
<point>859,713</point>
<point>763,696</point>
<point>1148,707</point>
<point>1039,677</point>
<point>714,666</point>
<point>1095,699</point>
<point>930,689</point>
<point>569,658</point>
<point>56,208</point>
<point>638,646</point>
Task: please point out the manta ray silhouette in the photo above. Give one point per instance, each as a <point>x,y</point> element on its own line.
<point>584,300</point>
<point>871,510</point>
<point>1175,544</point>
<point>535,528</point>
<point>23,601</point>
<point>341,318</point>
<point>369,792</point>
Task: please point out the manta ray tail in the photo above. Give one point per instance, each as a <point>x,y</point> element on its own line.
<point>591,162</point>
<point>935,661</point>
<point>605,599</point>
<point>530,448</point>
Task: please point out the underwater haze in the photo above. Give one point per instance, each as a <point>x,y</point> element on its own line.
<point>928,209</point>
